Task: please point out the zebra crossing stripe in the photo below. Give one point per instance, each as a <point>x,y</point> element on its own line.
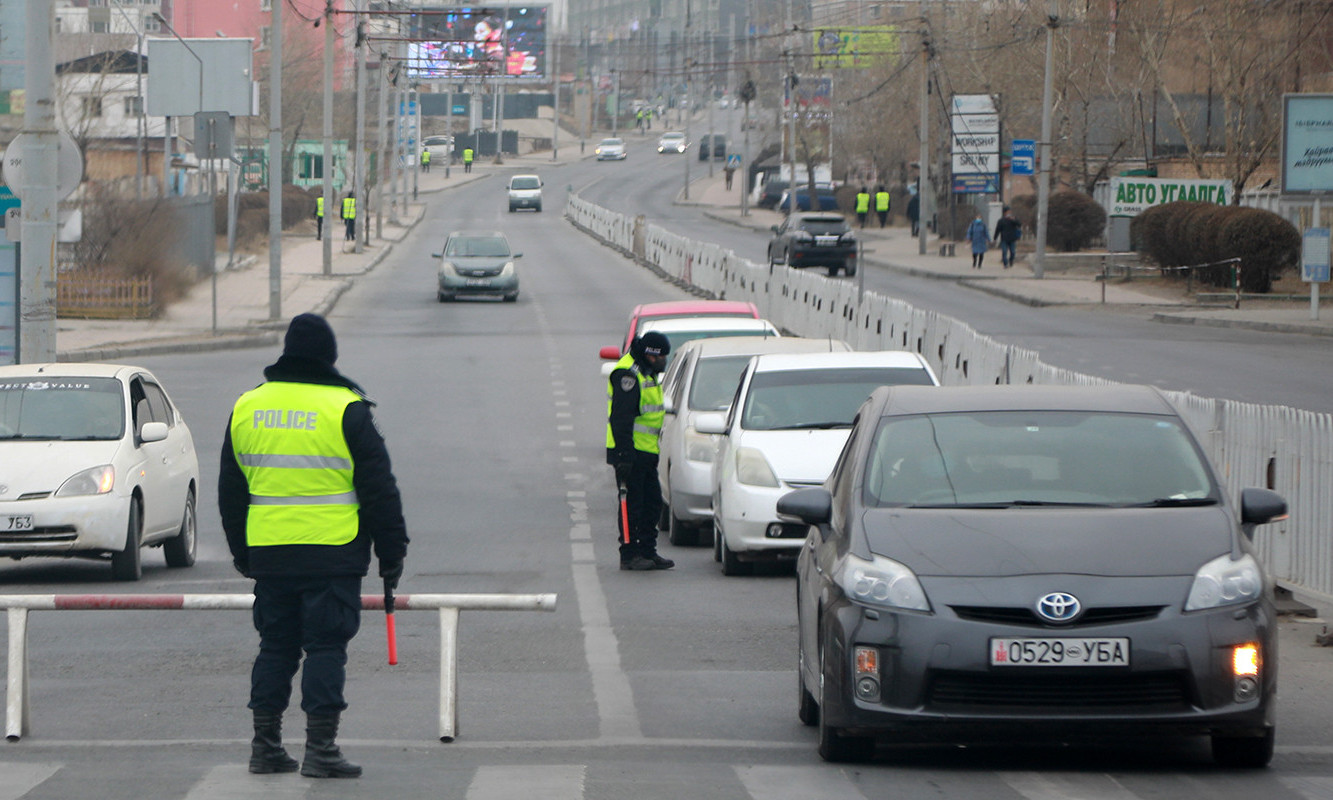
<point>796,783</point>
<point>234,782</point>
<point>1066,786</point>
<point>22,778</point>
<point>1311,788</point>
<point>554,782</point>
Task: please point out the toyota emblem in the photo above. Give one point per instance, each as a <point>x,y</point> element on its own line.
<point>1059,607</point>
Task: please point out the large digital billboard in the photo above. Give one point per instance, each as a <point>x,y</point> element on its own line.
<point>470,41</point>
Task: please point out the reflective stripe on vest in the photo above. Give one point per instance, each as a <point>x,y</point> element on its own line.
<point>349,208</point>
<point>862,203</point>
<point>288,440</point>
<point>652,409</point>
<point>881,201</point>
<point>319,206</point>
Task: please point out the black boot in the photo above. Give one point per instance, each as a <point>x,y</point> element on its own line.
<point>266,752</point>
<point>323,759</point>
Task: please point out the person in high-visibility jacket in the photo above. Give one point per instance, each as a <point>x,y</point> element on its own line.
<point>349,217</point>
<point>467,159</point>
<point>425,159</point>
<point>305,490</point>
<point>862,205</point>
<point>319,217</point>
<point>882,205</point>
<point>635,412</point>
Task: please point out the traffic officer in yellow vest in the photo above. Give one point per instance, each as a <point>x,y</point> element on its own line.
<point>349,217</point>
<point>862,205</point>
<point>634,425</point>
<point>467,159</point>
<point>319,217</point>
<point>305,490</point>
<point>882,205</point>
<point>425,159</point>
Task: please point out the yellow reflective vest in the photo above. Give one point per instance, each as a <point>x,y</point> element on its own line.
<point>288,440</point>
<point>467,155</point>
<point>319,206</point>
<point>349,208</point>
<point>862,202</point>
<point>652,410</point>
<point>881,201</point>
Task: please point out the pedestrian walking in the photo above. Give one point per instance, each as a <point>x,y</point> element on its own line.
<point>1007,232</point>
<point>729,171</point>
<point>305,491</point>
<point>634,425</point>
<point>349,217</point>
<point>914,212</point>
<point>980,239</point>
<point>862,206</point>
<point>425,159</point>
<point>467,159</point>
<point>882,205</point>
<point>319,218</point>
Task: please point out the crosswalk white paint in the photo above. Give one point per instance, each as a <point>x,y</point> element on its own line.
<point>796,783</point>
<point>1311,787</point>
<point>234,782</point>
<point>1066,786</point>
<point>508,782</point>
<point>20,778</point>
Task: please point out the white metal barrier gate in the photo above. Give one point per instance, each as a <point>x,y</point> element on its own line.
<point>449,606</point>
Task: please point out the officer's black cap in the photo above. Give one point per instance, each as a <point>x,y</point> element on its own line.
<point>309,336</point>
<point>652,343</point>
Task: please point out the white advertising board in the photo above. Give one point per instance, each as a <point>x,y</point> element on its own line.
<point>174,84</point>
<point>975,163</point>
<point>1130,196</point>
<point>975,123</point>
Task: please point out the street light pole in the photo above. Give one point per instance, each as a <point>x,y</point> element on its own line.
<point>1044,183</point>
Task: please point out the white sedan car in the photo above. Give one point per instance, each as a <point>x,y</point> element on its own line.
<point>672,142</point>
<point>611,150</point>
<point>791,417</point>
<point>703,379</point>
<point>95,461</point>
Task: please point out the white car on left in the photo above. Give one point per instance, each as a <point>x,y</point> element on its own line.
<point>95,462</point>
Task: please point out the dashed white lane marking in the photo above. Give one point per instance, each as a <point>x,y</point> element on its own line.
<point>21,778</point>
<point>1311,787</point>
<point>555,782</point>
<point>1066,786</point>
<point>796,783</point>
<point>234,782</point>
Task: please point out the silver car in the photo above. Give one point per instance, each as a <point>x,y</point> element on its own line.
<point>703,378</point>
<point>477,263</point>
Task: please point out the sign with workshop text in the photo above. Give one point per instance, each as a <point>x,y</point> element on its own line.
<point>1131,196</point>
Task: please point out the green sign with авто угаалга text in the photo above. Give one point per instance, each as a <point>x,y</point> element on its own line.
<point>1131,196</point>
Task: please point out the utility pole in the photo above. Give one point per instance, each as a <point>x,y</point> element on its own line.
<point>416,137</point>
<point>329,205</point>
<point>382,150</point>
<point>1044,157</point>
<point>555,102</point>
<point>689,98</point>
<point>924,191</point>
<point>362,229</point>
<point>37,263</point>
<point>791,137</point>
<point>275,166</point>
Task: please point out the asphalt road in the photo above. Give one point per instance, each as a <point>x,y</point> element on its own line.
<point>659,686</point>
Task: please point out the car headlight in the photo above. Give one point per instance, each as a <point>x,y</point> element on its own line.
<point>752,468</point>
<point>97,480</point>
<point>699,446</point>
<point>1223,582</point>
<point>448,268</point>
<point>508,269</point>
<point>881,582</point>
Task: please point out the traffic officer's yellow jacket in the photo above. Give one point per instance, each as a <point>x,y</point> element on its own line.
<point>862,202</point>
<point>349,208</point>
<point>881,201</point>
<point>634,411</point>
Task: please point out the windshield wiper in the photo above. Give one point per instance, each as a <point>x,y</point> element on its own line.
<point>32,437</point>
<point>1175,502</point>
<point>820,426</point>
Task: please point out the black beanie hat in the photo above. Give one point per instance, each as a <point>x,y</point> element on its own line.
<point>653,343</point>
<point>309,336</point>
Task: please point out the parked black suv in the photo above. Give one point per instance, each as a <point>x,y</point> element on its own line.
<point>814,240</point>
<point>714,145</point>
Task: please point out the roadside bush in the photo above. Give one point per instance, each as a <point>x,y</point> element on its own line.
<point>132,239</point>
<point>298,205</point>
<point>1073,221</point>
<point>1266,244</point>
<point>1191,233</point>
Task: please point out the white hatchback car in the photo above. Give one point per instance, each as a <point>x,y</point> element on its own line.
<point>672,142</point>
<point>524,191</point>
<point>789,421</point>
<point>95,461</point>
<point>703,379</point>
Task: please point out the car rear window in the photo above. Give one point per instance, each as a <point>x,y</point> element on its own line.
<point>477,246</point>
<point>824,225</point>
<point>1035,458</point>
<point>61,408</point>
<point>818,398</point>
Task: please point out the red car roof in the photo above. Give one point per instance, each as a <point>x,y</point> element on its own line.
<point>688,308</point>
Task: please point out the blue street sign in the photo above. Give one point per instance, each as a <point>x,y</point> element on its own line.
<point>734,160</point>
<point>987,183</point>
<point>1025,157</point>
<point>1315,255</point>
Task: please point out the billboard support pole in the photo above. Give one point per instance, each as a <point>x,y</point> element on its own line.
<point>274,167</point>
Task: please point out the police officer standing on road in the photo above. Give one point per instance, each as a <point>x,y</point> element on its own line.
<point>467,159</point>
<point>425,159</point>
<point>862,206</point>
<point>305,490</point>
<point>635,412</point>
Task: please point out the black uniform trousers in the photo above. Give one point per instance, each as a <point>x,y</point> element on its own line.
<point>316,615</point>
<point>643,501</point>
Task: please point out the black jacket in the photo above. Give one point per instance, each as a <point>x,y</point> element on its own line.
<point>381,512</point>
<point>1008,229</point>
<point>624,410</point>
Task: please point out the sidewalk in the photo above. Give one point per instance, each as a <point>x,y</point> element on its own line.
<point>895,249</point>
<point>243,293</point>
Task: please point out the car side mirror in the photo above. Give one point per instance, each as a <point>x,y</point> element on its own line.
<point>774,228</point>
<point>711,422</point>
<point>437,255</point>
<point>1260,507</point>
<point>517,255</point>
<point>153,432</point>
<point>811,506</point>
<point>668,405</point>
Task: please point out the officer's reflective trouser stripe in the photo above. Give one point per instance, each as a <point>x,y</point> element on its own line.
<point>295,462</point>
<point>344,499</point>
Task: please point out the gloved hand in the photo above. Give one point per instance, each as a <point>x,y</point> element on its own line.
<point>391,571</point>
<point>622,469</point>
<point>242,566</point>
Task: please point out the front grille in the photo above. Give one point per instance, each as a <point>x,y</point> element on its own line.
<point>1044,690</point>
<point>479,273</point>
<point>41,534</point>
<point>33,496</point>
<point>1010,615</point>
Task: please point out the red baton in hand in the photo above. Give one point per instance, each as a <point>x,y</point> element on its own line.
<point>389,628</point>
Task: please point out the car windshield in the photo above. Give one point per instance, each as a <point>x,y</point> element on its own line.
<point>477,246</point>
<point>525,183</point>
<point>61,408</point>
<point>818,398</point>
<point>1003,458</point>
<point>672,137</point>
<point>612,142</point>
<point>715,382</point>
<point>823,226</point>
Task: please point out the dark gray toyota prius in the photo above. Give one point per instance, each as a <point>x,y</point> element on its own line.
<point>1037,561</point>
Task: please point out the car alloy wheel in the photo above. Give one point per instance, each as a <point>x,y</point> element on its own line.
<point>731,563</point>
